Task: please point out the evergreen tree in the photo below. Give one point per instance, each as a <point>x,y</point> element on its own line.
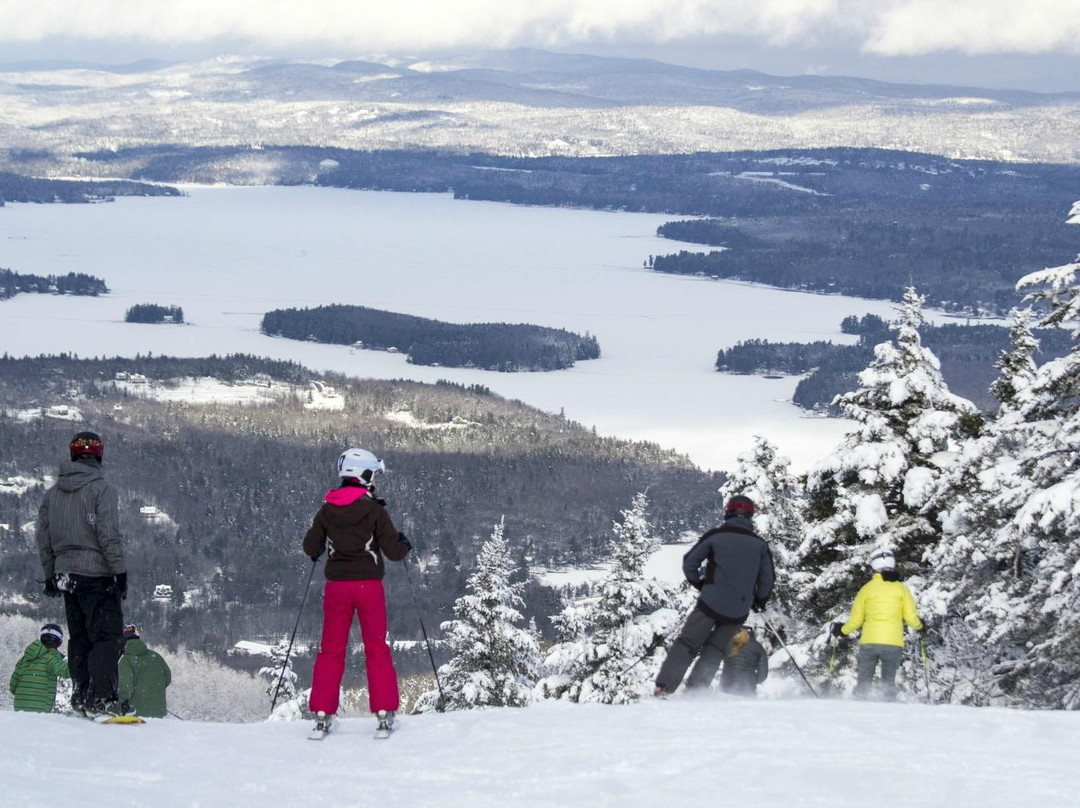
<point>280,688</point>
<point>608,644</point>
<point>973,515</point>
<point>495,662</point>
<point>1016,367</point>
<point>1022,530</point>
<point>870,492</point>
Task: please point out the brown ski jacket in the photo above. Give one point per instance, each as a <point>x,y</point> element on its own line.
<point>356,532</point>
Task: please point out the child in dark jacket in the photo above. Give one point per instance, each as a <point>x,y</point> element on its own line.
<point>745,666</point>
<point>33,682</point>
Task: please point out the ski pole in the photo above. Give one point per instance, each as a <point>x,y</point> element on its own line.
<point>288,653</point>
<point>174,715</point>
<point>653,646</point>
<point>925,669</point>
<point>423,631</point>
<point>793,662</point>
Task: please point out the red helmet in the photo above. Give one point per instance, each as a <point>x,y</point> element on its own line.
<point>739,505</point>
<point>86,444</point>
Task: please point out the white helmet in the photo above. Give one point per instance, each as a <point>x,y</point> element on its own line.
<point>359,463</point>
<point>882,560</point>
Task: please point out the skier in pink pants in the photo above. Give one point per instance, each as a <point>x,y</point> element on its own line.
<point>355,530</point>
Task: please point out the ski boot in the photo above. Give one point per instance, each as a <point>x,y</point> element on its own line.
<point>323,723</point>
<point>101,710</point>
<point>386,724</point>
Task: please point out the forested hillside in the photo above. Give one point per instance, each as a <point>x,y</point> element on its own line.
<point>238,486</point>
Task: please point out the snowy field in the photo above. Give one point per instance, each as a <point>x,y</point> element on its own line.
<point>715,750</point>
<point>227,255</point>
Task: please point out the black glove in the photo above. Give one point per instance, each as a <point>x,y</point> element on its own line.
<point>315,557</point>
<point>698,585</point>
<point>834,630</point>
<point>758,605</point>
<point>119,585</point>
<point>403,540</point>
<point>50,588</point>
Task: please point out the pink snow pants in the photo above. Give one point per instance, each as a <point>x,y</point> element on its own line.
<point>340,600</point>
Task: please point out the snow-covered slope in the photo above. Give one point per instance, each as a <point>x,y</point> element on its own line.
<point>680,752</point>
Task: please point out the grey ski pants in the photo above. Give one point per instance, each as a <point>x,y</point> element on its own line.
<point>869,655</point>
<point>703,637</point>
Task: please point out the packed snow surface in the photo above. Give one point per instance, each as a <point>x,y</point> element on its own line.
<point>679,752</point>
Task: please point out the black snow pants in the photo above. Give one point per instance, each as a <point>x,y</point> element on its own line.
<point>96,638</point>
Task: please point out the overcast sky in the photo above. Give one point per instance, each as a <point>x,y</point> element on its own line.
<point>1000,43</point>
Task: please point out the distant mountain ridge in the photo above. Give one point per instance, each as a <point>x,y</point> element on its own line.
<point>516,102</point>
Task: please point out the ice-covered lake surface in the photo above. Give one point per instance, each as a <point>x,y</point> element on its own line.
<point>227,255</point>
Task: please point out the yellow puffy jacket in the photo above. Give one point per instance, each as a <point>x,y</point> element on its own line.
<point>880,609</point>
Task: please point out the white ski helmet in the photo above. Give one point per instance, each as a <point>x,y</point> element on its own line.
<point>360,464</point>
<point>882,560</point>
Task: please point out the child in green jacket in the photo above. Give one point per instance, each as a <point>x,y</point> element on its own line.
<point>34,679</point>
<point>143,677</point>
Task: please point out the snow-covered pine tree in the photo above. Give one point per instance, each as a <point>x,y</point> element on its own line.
<point>1016,367</point>
<point>871,490</point>
<point>1026,604</point>
<point>284,692</point>
<point>966,561</point>
<point>608,645</point>
<point>495,663</point>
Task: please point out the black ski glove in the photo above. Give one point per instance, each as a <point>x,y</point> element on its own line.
<point>834,630</point>
<point>698,585</point>
<point>50,588</point>
<point>403,540</point>
<point>119,585</point>
<point>315,557</point>
<point>758,605</point>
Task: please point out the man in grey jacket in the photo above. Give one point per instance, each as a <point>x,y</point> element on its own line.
<point>82,555</point>
<point>738,576</point>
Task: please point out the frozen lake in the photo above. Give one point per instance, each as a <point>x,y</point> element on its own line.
<point>227,255</point>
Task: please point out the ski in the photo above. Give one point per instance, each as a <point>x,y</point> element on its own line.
<point>105,718</point>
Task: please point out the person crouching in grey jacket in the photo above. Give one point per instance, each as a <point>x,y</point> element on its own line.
<point>82,555</point>
<point>746,665</point>
<point>738,576</point>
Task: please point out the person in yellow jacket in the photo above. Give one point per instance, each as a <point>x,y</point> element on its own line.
<point>881,609</point>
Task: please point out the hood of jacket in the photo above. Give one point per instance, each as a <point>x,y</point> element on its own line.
<point>344,496</point>
<point>75,475</point>
<point>135,647</point>
<point>35,650</point>
<point>740,523</point>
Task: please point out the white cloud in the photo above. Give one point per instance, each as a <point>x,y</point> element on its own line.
<point>914,27</point>
<point>883,27</point>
